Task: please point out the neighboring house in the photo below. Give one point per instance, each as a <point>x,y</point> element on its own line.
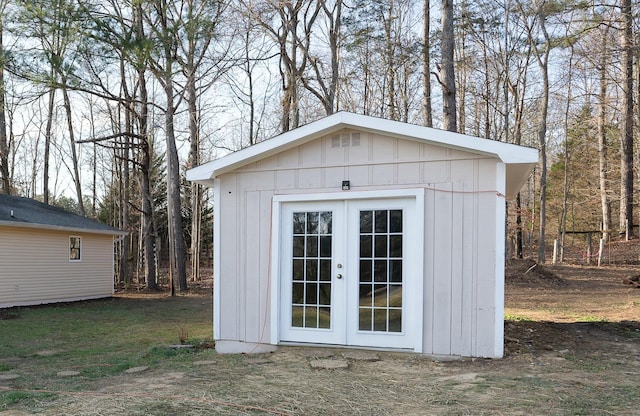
<point>364,232</point>
<point>50,255</point>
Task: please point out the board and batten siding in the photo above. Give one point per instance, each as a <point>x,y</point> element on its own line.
<point>460,231</point>
<point>35,267</point>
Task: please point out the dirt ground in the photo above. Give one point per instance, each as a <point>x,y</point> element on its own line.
<point>572,346</point>
<point>559,307</point>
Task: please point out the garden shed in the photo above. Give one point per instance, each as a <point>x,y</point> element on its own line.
<point>49,255</point>
<point>363,232</point>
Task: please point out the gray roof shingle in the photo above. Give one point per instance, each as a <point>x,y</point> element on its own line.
<point>25,212</point>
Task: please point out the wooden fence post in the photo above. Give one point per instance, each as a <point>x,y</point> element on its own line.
<point>555,251</point>
<point>589,248</point>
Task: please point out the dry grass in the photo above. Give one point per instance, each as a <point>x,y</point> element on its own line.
<point>553,368</point>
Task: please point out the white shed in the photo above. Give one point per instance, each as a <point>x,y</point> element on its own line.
<point>363,232</point>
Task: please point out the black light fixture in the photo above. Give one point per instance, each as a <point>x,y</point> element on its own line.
<point>346,185</point>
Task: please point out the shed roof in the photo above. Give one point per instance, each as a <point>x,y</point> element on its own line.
<point>23,212</point>
<point>519,160</point>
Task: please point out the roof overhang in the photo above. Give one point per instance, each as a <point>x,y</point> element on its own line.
<point>48,227</point>
<point>519,160</point>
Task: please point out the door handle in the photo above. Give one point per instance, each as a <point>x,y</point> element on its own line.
<point>339,276</point>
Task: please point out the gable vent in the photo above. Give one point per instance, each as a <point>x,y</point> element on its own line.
<point>345,140</point>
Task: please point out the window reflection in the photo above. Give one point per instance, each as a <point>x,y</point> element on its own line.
<point>381,257</point>
<point>311,269</point>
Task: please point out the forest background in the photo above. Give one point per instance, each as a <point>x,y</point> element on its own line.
<point>105,104</point>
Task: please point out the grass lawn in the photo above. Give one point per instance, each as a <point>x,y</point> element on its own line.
<point>98,339</point>
<point>72,359</point>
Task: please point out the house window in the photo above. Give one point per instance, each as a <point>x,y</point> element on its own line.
<point>75,245</point>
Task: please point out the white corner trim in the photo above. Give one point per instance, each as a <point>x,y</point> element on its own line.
<point>417,298</point>
<point>274,272</point>
<point>501,212</point>
<point>216,259</point>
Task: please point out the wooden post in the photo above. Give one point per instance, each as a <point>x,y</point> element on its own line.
<point>555,251</point>
<point>601,252</point>
<point>589,248</point>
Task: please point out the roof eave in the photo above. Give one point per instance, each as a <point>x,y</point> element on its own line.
<point>50,227</point>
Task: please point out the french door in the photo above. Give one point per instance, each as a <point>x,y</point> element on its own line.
<point>347,272</point>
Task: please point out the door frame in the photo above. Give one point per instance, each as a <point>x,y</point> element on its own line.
<point>415,300</point>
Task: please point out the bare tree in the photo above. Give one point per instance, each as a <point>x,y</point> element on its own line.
<point>626,130</point>
<point>161,22</point>
<point>199,26</point>
<point>602,135</point>
<point>541,53</point>
<point>325,86</point>
<point>4,143</point>
<point>447,73</point>
<point>426,64</point>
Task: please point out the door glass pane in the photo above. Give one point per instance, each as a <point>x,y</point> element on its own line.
<point>365,270</point>
<point>312,222</point>
<point>297,316</point>
<point>324,318</point>
<point>395,221</point>
<point>299,222</point>
<point>326,222</point>
<point>381,279</point>
<point>298,293</point>
<point>366,221</point>
<point>298,269</point>
<point>312,269</point>
<point>365,319</point>
<point>311,294</point>
<point>298,246</point>
<point>324,296</point>
<point>366,293</point>
<point>380,220</point>
<point>366,244</point>
<point>395,245</point>
<point>311,264</point>
<point>325,246</point>
<point>395,320</point>
<point>381,245</point>
<point>325,270</point>
<point>312,246</point>
<point>395,271</point>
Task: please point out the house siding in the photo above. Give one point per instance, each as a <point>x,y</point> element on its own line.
<point>460,231</point>
<point>35,267</point>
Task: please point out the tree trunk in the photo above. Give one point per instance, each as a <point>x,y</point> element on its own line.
<point>447,71</point>
<point>74,153</point>
<point>390,58</point>
<point>148,222</point>
<point>602,143</point>
<point>4,143</point>
<point>194,160</point>
<point>47,146</point>
<point>426,65</point>
<point>543,62</point>
<point>176,239</point>
<point>626,133</point>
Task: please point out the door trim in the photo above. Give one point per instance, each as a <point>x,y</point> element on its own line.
<point>416,298</point>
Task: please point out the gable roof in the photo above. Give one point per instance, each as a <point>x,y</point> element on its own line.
<point>519,160</point>
<point>22,212</point>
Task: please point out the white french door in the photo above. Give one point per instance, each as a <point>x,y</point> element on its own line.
<point>347,272</point>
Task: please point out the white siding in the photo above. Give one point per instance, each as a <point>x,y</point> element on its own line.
<point>35,267</point>
<point>460,231</point>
